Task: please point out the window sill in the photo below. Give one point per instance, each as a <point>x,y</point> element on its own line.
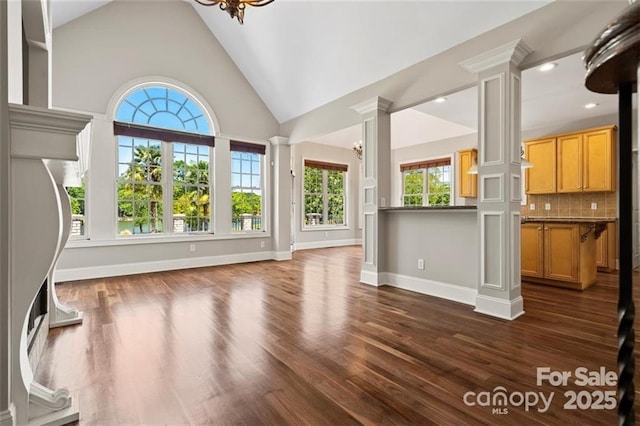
<point>164,239</point>
<point>325,228</point>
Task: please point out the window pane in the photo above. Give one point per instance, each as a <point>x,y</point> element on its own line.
<point>314,210</point>
<point>246,195</point>
<point>336,210</point>
<point>439,186</point>
<point>78,215</point>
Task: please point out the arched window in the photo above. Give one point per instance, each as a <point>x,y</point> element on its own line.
<point>165,145</point>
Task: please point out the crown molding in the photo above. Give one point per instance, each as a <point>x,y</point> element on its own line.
<point>514,52</point>
<point>279,140</point>
<point>373,104</point>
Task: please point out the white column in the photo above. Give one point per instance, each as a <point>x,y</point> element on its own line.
<point>281,160</point>
<point>14,27</point>
<point>376,184</point>
<point>222,194</point>
<point>6,403</point>
<point>499,177</point>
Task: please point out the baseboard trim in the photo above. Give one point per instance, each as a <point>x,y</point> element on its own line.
<point>75,274</point>
<point>327,244</point>
<point>439,289</point>
<point>6,416</point>
<point>282,255</point>
<point>500,308</point>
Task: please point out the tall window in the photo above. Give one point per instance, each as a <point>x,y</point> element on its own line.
<point>324,193</point>
<point>426,183</point>
<point>246,186</point>
<point>164,147</point>
<point>77,198</point>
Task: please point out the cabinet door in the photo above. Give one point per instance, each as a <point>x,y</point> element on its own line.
<point>602,252</point>
<point>467,184</point>
<point>541,178</point>
<point>569,160</point>
<point>598,161</point>
<point>531,257</point>
<point>562,252</point>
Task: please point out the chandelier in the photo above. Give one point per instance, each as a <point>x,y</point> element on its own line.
<point>235,8</point>
<point>357,148</point>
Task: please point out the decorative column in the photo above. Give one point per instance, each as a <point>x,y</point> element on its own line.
<point>376,184</point>
<point>222,171</point>
<point>281,162</point>
<point>499,177</point>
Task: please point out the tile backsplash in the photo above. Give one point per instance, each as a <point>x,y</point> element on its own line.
<point>573,205</point>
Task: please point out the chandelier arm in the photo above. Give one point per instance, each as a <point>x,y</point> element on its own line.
<point>257,3</point>
<point>209,2</point>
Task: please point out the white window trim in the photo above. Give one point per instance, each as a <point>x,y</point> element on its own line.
<point>263,184</point>
<point>342,227</point>
<point>425,194</point>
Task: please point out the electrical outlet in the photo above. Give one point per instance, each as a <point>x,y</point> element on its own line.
<point>326,234</point>
<point>261,244</point>
<point>420,263</point>
<point>547,206</point>
<point>383,202</point>
<point>532,206</point>
<point>594,206</point>
<point>192,247</point>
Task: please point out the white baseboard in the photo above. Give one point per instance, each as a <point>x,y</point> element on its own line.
<point>282,255</point>
<point>74,274</point>
<point>327,244</point>
<point>6,416</point>
<point>439,289</point>
<point>370,278</point>
<point>500,308</point>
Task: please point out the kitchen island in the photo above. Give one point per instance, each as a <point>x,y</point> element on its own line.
<point>561,251</point>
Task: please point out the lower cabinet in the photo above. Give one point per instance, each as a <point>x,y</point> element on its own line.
<point>606,249</point>
<point>561,254</point>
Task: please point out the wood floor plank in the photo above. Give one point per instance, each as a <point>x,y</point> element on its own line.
<point>303,342</point>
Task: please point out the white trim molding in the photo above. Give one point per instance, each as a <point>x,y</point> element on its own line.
<point>327,244</point>
<point>279,140</point>
<point>370,278</point>
<point>499,308</point>
<point>453,292</point>
<point>282,255</point>
<point>6,416</point>
<point>515,51</point>
<point>74,274</point>
<point>373,104</point>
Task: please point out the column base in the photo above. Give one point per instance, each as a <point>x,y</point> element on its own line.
<point>500,308</point>
<point>62,316</point>
<point>370,278</point>
<point>52,408</point>
<point>6,417</point>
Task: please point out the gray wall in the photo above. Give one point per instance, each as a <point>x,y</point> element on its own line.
<point>447,241</point>
<point>326,236</point>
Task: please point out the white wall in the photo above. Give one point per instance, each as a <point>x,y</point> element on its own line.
<point>95,58</point>
<point>326,237</point>
<point>96,54</point>
<point>436,149</point>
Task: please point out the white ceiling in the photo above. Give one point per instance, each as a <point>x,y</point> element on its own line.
<point>301,54</point>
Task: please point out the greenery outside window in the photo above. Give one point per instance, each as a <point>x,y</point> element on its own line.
<point>324,193</point>
<point>164,148</point>
<point>247,162</point>
<point>427,183</point>
<point>77,198</point>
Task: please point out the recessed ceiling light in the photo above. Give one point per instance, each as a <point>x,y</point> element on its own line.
<point>440,100</point>
<point>591,105</point>
<point>547,67</point>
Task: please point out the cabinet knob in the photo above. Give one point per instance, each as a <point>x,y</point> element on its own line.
<point>539,228</point>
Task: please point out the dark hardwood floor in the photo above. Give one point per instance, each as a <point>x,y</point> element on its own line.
<point>303,342</point>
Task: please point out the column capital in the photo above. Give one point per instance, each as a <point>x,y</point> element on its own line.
<point>279,140</point>
<point>514,52</point>
<point>372,104</point>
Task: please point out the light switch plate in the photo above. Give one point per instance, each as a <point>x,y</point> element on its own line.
<point>532,206</point>
<point>547,206</point>
<point>594,206</point>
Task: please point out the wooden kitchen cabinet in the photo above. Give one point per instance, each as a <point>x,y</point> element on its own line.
<point>583,161</point>
<point>467,183</point>
<point>531,255</point>
<point>606,249</point>
<point>560,254</point>
<point>541,178</point>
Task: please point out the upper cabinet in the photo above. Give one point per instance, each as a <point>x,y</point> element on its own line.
<point>575,162</point>
<point>541,178</point>
<point>467,183</point>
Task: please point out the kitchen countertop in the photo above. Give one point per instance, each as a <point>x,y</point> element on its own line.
<point>551,219</point>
